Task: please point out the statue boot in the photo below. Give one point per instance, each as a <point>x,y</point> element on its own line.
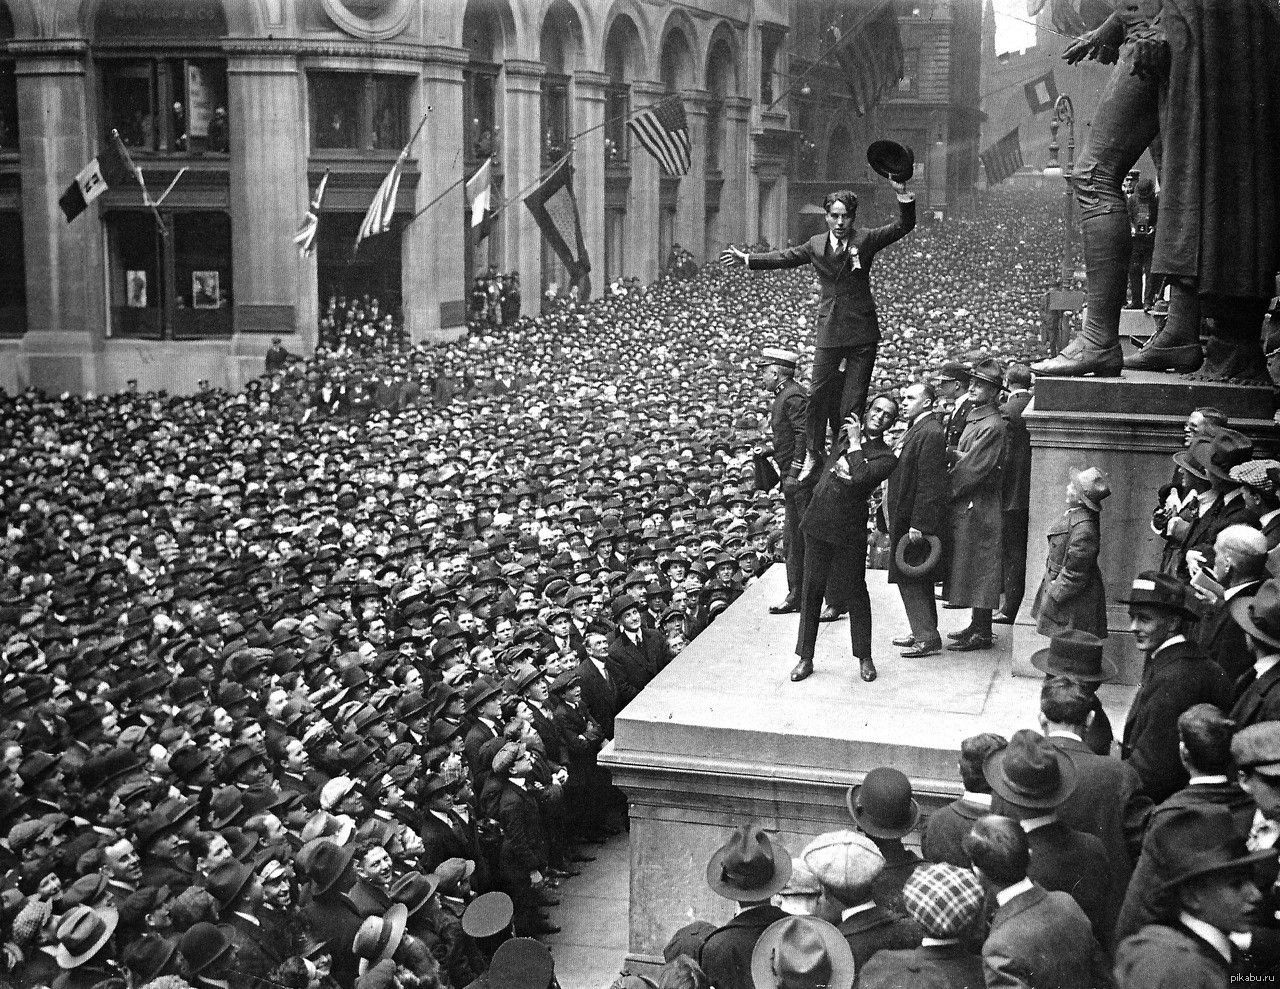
<point>1096,348</point>
<point>1233,345</point>
<point>1176,345</point>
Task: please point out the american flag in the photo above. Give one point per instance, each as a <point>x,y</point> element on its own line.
<point>1003,158</point>
<point>305,238</point>
<point>664,133</point>
<point>870,57</point>
<point>383,207</point>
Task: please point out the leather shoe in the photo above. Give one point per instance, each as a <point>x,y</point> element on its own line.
<point>830,615</point>
<point>972,643</point>
<point>803,670</point>
<point>867,669</point>
<point>789,606</point>
<point>964,633</point>
<point>1078,359</point>
<point>920,652</point>
<point>539,927</point>
<point>1182,359</point>
<point>1000,618</point>
<point>905,641</point>
<point>953,607</point>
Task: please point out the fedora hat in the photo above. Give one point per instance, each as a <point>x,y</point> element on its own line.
<point>1030,772</point>
<point>1192,842</point>
<point>988,369</point>
<point>882,806</point>
<point>488,914</point>
<point>622,604</point>
<point>379,937</point>
<point>202,946</point>
<point>896,162</point>
<point>327,864</point>
<point>479,692</point>
<point>1259,615</point>
<point>1221,451</point>
<point>748,866</point>
<point>954,371</point>
<point>1092,486</point>
<point>1159,589</point>
<point>1076,655</point>
<point>521,963</point>
<point>922,565</point>
<point>802,953</point>
<point>82,931</point>
<point>413,889</point>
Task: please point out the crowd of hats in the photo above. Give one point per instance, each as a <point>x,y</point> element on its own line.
<point>239,630</point>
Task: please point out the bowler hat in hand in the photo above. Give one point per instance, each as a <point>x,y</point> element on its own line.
<point>896,162</point>
<point>916,564</point>
<point>748,866</point>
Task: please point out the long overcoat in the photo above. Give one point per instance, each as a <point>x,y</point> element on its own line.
<point>1071,594</point>
<point>975,579</point>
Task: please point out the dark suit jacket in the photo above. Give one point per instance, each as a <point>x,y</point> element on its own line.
<point>1257,699</point>
<point>919,490</point>
<point>1042,940</point>
<point>847,311</point>
<point>638,666</point>
<point>1221,638</point>
<point>1174,679</point>
<point>1075,863</point>
<point>837,512</point>
<point>878,930</point>
<point>1016,469</point>
<point>787,424</point>
<point>941,966</point>
<point>1160,955</point>
<point>1205,529</point>
<point>957,419</point>
<point>899,864</point>
<point>726,953</point>
<point>332,920</point>
<point>600,696</point>
<point>946,830</point>
<point>477,736</point>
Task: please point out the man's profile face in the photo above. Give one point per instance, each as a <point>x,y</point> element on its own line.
<point>839,220</point>
<point>914,401</point>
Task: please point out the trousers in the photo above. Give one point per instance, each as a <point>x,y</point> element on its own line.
<point>1013,547</point>
<point>819,556</point>
<point>833,393</point>
<point>922,610</point>
<point>793,511</point>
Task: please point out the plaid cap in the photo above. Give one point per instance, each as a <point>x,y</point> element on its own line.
<point>943,898</point>
<point>1256,474</point>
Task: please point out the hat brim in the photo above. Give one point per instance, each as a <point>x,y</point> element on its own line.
<point>348,853</point>
<point>1243,864</point>
<point>839,953</point>
<point>917,569</point>
<point>110,918</point>
<point>993,770</point>
<point>1239,607</point>
<point>995,382</point>
<point>1133,602</point>
<point>1183,459</point>
<point>869,827</point>
<point>1042,660</point>
<point>895,162</point>
<point>475,702</point>
<point>472,926</point>
<point>721,887</point>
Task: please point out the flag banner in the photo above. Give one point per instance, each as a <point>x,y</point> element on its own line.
<point>480,199</point>
<point>1041,92</point>
<point>663,131</point>
<point>305,238</point>
<point>555,210</point>
<point>870,57</point>
<point>112,167</point>
<point>378,218</point>
<point>1003,158</point>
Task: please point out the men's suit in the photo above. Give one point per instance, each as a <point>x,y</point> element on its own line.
<point>1042,940</point>
<point>1221,638</point>
<point>973,578</point>
<point>1016,500</point>
<point>835,525</point>
<point>256,954</point>
<point>899,864</point>
<point>332,920</point>
<point>1161,955</point>
<point>933,966</point>
<point>1257,698</point>
<point>726,953</point>
<point>787,425</point>
<point>916,497</point>
<point>955,420</point>
<point>876,929</point>
<point>1108,803</point>
<point>478,735</point>
<point>1174,678</point>
<point>637,665</point>
<point>600,694</point>
<point>847,327</point>
<point>947,828</point>
<point>1226,510</point>
<point>1075,863</point>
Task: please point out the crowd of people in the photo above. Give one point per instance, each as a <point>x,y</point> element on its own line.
<point>359,326</point>
<point>494,299</point>
<point>303,686</point>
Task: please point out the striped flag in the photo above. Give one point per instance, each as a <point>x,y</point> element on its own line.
<point>305,238</point>
<point>479,196</point>
<point>664,132</point>
<point>1003,158</point>
<point>870,57</point>
<point>378,219</point>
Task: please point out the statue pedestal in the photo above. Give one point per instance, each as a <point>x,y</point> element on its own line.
<point>1129,427</point>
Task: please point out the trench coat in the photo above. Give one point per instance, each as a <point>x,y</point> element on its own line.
<point>974,579</point>
<point>1071,594</point>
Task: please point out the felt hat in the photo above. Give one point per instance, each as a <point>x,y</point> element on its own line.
<point>82,931</point>
<point>954,371</point>
<point>989,370</point>
<point>521,963</point>
<point>479,692</point>
<point>1030,772</point>
<point>1257,747</point>
<point>1198,841</point>
<point>202,946</point>
<point>327,864</point>
<point>748,866</point>
<point>882,806</point>
<point>1259,615</point>
<point>1076,655</point>
<point>1092,486</point>
<point>917,557</point>
<point>622,604</point>
<point>379,937</point>
<point>802,953</point>
<point>1222,450</point>
<point>894,161</point>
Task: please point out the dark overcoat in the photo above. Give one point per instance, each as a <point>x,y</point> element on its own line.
<point>918,490</point>
<point>1071,593</point>
<point>975,579</point>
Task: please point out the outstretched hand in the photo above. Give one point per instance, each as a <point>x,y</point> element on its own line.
<point>732,257</point>
<point>1096,45</point>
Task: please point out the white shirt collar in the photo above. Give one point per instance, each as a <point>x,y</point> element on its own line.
<point>977,799</point>
<point>1206,779</point>
<point>933,942</point>
<point>599,665</point>
<point>1268,517</point>
<point>848,912</point>
<point>249,917</point>
<point>1263,664</point>
<point>1063,733</point>
<point>1017,889</point>
<point>1230,592</point>
<point>833,242</point>
<point>1206,499</point>
<point>1034,823</point>
<point>1173,640</point>
<point>1207,931</point>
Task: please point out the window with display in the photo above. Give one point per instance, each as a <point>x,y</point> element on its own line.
<point>168,105</point>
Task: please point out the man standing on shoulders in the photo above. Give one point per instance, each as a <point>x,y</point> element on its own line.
<point>848,331</point>
<point>1016,494</point>
<point>915,506</point>
<point>787,425</point>
<point>976,499</point>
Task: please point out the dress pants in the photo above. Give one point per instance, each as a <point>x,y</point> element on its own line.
<point>922,610</point>
<point>819,557</point>
<point>833,393</point>
<point>1013,545</point>
<point>793,506</point>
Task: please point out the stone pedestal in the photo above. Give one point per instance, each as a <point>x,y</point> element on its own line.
<point>1129,427</point>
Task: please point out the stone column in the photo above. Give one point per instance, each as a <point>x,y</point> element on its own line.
<point>588,168</point>
<point>66,309</point>
<point>642,202</point>
<point>432,251</point>
<point>737,203</point>
<point>274,291</point>
<point>691,201</point>
<point>521,165</point>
